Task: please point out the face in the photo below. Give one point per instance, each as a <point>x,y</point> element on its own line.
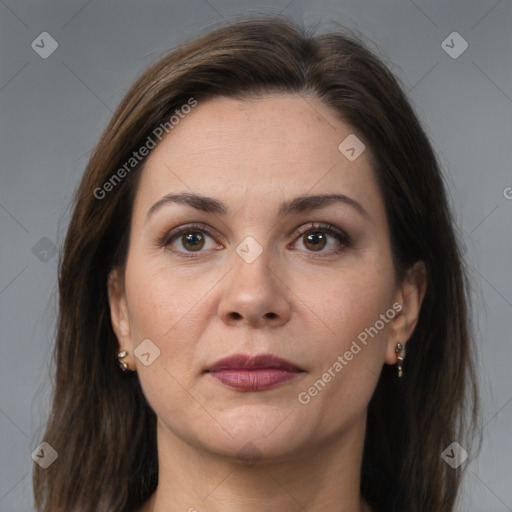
<point>259,272</point>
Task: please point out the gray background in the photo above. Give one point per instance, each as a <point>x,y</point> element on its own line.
<point>53,110</point>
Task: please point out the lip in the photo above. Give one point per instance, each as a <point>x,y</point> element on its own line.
<point>253,373</point>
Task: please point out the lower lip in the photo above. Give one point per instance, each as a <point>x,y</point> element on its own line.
<point>254,380</point>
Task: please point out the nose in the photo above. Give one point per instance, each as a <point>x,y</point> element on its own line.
<point>254,295</point>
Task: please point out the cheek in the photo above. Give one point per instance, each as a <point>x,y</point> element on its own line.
<point>172,309</point>
<point>160,311</point>
<point>353,299</point>
<point>159,299</point>
<point>354,309</point>
<point>162,308</point>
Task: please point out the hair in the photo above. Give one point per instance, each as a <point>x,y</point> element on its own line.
<point>101,424</point>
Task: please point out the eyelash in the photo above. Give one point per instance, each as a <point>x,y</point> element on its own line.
<point>342,237</point>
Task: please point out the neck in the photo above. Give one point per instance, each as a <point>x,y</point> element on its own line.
<point>321,478</point>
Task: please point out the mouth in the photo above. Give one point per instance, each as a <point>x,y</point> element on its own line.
<point>253,373</point>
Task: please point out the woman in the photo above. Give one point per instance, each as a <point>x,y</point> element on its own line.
<point>262,299</point>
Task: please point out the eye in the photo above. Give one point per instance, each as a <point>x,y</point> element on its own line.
<point>191,238</point>
<point>315,237</point>
<point>186,240</point>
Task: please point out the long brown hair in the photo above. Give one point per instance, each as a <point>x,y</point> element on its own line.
<point>101,424</point>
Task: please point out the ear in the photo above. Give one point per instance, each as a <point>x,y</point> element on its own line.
<point>409,295</point>
<point>119,314</point>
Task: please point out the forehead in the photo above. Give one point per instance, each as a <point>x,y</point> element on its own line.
<point>239,149</point>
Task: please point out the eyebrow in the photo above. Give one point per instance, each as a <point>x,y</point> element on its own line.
<point>297,205</point>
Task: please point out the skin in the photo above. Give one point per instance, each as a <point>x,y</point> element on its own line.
<point>252,156</point>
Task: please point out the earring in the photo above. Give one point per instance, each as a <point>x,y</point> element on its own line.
<point>400,351</point>
<point>122,364</point>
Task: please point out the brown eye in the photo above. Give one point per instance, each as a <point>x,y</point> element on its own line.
<point>315,241</point>
<point>193,241</point>
<point>189,241</point>
<point>319,236</point>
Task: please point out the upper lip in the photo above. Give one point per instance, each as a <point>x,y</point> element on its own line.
<point>254,362</point>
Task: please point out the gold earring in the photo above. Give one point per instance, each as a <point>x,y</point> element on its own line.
<point>399,349</point>
<point>120,357</point>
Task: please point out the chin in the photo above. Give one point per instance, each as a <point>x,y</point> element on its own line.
<point>254,432</point>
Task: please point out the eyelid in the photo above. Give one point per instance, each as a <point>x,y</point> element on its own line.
<point>326,227</point>
<point>165,239</point>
